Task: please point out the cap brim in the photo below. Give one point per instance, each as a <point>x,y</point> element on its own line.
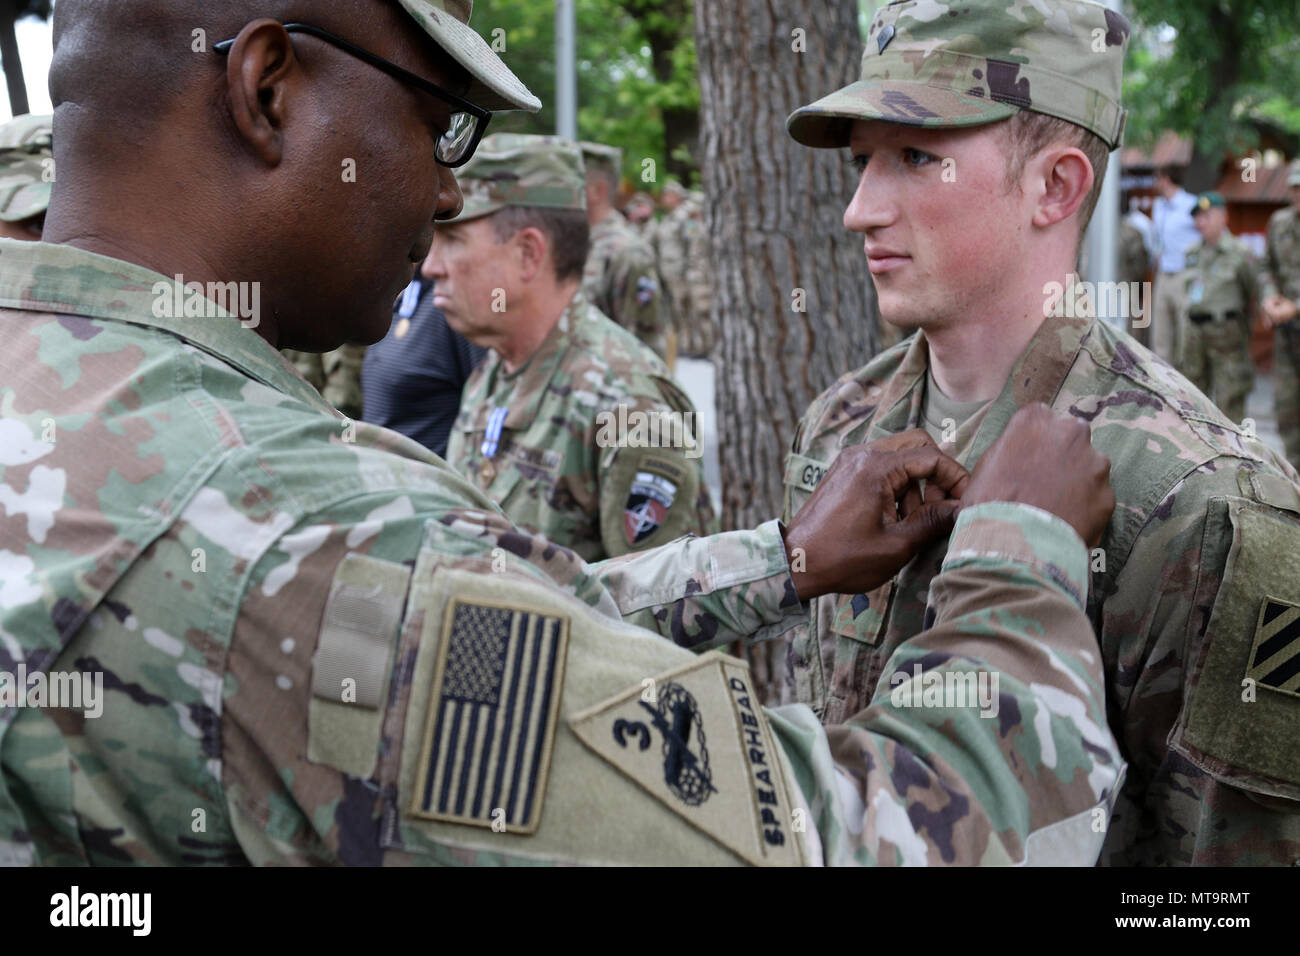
<point>476,210</point>
<point>827,123</point>
<point>494,87</point>
<point>25,202</point>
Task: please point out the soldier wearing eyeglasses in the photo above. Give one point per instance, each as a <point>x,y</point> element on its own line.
<point>301,639</point>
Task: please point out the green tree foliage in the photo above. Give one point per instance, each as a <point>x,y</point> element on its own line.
<point>1217,71</point>
<point>636,67</point>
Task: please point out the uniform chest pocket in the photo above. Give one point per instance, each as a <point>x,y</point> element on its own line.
<point>524,474</point>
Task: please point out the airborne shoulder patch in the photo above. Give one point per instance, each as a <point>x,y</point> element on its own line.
<point>696,739</point>
<point>490,725</point>
<point>1275,654</point>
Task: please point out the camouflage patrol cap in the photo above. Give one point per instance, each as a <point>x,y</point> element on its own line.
<point>600,156</point>
<point>25,156</point>
<point>493,86</point>
<point>517,169</point>
<point>929,63</point>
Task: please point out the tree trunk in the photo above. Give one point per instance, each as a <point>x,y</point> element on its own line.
<point>12,62</point>
<point>792,296</point>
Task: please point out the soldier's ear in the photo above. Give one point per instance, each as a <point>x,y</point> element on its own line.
<point>257,68</point>
<point>1061,177</point>
<point>533,249</point>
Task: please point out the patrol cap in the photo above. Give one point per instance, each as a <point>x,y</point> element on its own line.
<point>937,64</point>
<point>519,169</point>
<point>1293,175</point>
<point>1208,201</point>
<point>25,150</point>
<point>600,156</point>
<point>493,86</point>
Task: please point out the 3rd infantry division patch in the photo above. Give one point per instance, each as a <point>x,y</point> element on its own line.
<point>1275,656</point>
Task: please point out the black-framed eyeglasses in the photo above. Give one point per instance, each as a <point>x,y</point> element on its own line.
<point>468,122</point>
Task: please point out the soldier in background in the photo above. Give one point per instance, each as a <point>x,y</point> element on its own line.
<point>1281,292</point>
<point>620,278</point>
<point>1219,295</point>
<point>544,423</point>
<point>26,175</point>
<point>1134,263</point>
<point>640,214</point>
<point>335,374</point>
<point>685,262</point>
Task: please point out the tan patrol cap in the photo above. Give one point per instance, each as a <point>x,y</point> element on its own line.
<point>522,169</point>
<point>494,87</point>
<point>936,64</point>
<point>600,156</point>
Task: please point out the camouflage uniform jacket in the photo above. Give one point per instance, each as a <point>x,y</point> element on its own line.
<point>682,251</point>
<point>1134,262</point>
<point>1221,279</point>
<point>564,466</point>
<point>336,375</point>
<point>186,519</point>
<point>621,280</point>
<point>1282,266</point>
<point>1204,545</point>
<point>1282,277</point>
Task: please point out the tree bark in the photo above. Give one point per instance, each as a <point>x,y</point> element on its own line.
<point>774,213</point>
<point>12,62</point>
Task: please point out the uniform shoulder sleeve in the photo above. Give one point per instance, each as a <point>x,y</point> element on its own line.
<point>650,468</point>
<point>986,741</point>
<point>1208,583</point>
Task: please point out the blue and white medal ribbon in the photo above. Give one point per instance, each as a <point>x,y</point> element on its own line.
<point>410,299</point>
<point>492,440</point>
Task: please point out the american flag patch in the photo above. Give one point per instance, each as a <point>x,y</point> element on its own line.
<point>491,720</point>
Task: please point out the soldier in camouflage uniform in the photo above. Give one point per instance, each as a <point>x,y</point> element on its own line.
<point>1134,263</point>
<point>1220,291</point>
<point>682,248</point>
<point>620,278</point>
<point>335,374</point>
<point>1279,295</point>
<point>315,644</point>
<point>1195,592</point>
<point>26,175</point>
<point>555,425</point>
<point>640,215</point>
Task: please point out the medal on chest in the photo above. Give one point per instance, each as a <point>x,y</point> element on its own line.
<point>491,445</point>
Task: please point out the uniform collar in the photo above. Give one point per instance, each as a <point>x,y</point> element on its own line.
<point>529,383</point>
<point>45,277</point>
<point>1037,376</point>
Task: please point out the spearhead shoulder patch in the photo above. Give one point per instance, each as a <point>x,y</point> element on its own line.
<point>491,720</point>
<point>697,740</point>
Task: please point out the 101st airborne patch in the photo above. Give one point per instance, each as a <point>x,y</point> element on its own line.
<point>1275,654</point>
<point>697,740</point>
